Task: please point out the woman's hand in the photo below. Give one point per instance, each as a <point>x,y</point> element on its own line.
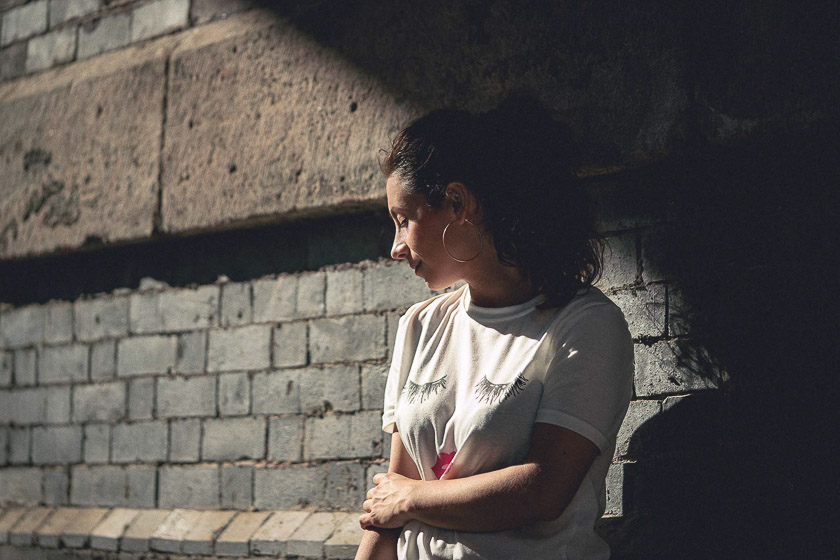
<point>388,504</point>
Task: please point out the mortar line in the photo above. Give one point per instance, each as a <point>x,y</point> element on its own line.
<point>158,217</point>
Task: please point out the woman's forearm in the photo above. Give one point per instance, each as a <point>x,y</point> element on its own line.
<point>494,501</point>
<point>378,544</point>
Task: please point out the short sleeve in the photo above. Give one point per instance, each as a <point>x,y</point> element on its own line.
<point>589,381</point>
<point>398,372</point>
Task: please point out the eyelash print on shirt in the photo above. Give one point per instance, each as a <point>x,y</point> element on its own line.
<point>485,391</point>
<point>424,391</point>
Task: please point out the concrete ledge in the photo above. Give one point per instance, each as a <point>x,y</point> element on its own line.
<point>28,531</point>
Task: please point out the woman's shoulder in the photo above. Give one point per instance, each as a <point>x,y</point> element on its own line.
<point>433,309</point>
<point>590,306</point>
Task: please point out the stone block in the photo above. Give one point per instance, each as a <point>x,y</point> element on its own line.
<point>48,535</point>
<point>76,533</point>
<point>23,326</point>
<point>139,532</point>
<point>237,485</point>
<point>311,295</point>
<point>7,361</point>
<point>346,538</point>
<point>192,352</point>
<point>236,307</point>
<point>13,61</point>
<point>100,318</point>
<point>56,445</point>
<point>199,539</point>
<point>270,539</point>
<point>274,299</point>
<point>660,371</point>
<point>56,483</point>
<point>106,34</point>
<point>20,485</point>
<point>346,486</point>
<point>159,17</point>
<point>20,445</point>
<point>372,470</point>
<point>144,313</point>
<point>308,539</point>
<point>9,516</point>
<point>366,434</point>
<point>23,533</point>
<point>203,11</point>
<point>242,348</point>
<point>58,405</point>
<point>64,10</point>
<point>638,413</point>
<point>343,436</point>
<point>24,21</point>
<point>374,378</point>
<point>169,535</point>
<point>97,443</point>
<point>644,310</point>
<point>288,487</point>
<point>107,535</point>
<point>25,406</point>
<point>141,398</point>
<point>190,309</point>
<point>621,262</point>
<point>615,490</point>
<point>58,322</point>
<point>188,486</point>
<point>341,388</point>
<point>290,345</point>
<point>97,486</point>
<point>347,339</point>
<point>341,112</point>
<point>344,291</point>
<point>234,394</point>
<point>59,364</point>
<point>185,441</point>
<point>99,402</point>
<point>229,439</point>
<point>655,248</point>
<point>285,438</point>
<point>141,482</point>
<point>48,50</point>
<point>191,396</point>
<point>103,360</point>
<point>679,313</point>
<point>143,442</point>
<point>142,355</point>
<point>25,366</point>
<point>276,392</point>
<point>233,541</point>
<point>389,287</point>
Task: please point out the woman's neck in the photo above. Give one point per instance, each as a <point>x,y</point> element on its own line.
<point>497,285</point>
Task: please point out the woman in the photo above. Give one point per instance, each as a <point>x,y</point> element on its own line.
<point>504,396</point>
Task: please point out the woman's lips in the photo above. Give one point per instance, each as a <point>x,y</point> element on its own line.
<point>416,268</point>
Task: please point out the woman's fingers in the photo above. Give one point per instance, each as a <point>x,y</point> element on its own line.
<point>368,506</point>
<point>370,493</point>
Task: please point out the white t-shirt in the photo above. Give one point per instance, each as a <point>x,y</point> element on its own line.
<point>466,386</point>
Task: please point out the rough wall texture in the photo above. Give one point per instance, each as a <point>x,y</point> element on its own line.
<point>241,417</point>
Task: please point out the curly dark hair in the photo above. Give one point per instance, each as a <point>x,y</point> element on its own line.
<point>518,162</point>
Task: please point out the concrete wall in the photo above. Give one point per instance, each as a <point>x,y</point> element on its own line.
<point>198,310</point>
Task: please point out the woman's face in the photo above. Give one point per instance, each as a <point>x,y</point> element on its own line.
<point>419,234</point>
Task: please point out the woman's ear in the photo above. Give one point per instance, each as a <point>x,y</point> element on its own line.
<point>461,200</point>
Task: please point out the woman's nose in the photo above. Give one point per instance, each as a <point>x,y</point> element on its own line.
<point>399,250</point>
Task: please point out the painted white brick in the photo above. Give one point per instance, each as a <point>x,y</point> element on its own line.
<point>48,50</point>
<point>142,355</point>
<point>186,310</point>
<point>58,322</point>
<point>239,348</point>
<point>23,326</point>
<point>24,21</point>
<point>310,295</point>
<point>158,18</point>
<point>59,364</point>
<point>234,394</point>
<point>236,305</point>
<point>103,360</point>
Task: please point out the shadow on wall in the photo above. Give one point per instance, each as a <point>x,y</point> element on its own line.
<point>745,472</point>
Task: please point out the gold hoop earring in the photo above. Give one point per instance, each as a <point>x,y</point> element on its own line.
<point>480,239</point>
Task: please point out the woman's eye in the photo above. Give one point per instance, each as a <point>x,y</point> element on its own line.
<point>402,223</point>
